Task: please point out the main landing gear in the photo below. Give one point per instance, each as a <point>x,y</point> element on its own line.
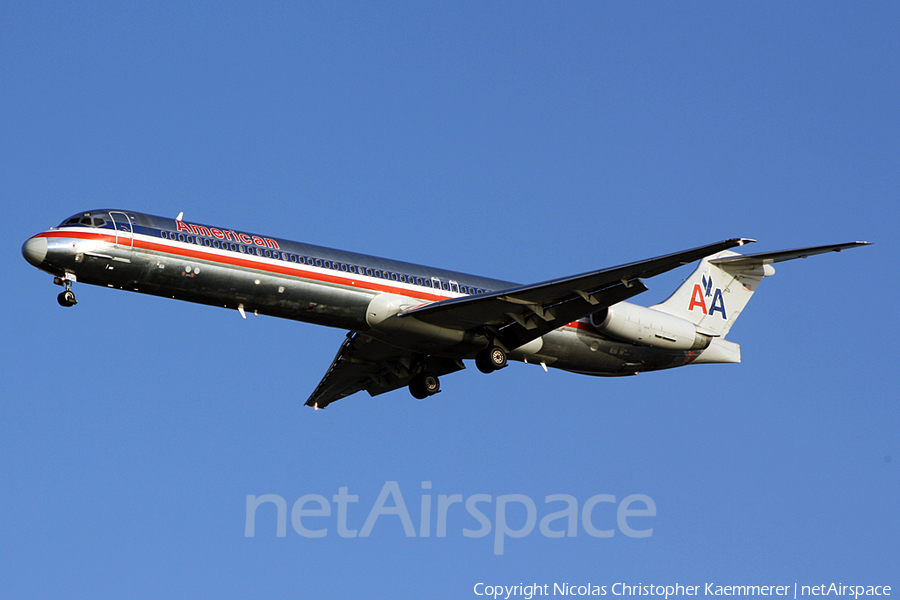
<point>491,359</point>
<point>67,297</point>
<point>423,385</point>
<point>427,384</point>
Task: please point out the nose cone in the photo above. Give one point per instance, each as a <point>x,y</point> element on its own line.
<point>35,250</point>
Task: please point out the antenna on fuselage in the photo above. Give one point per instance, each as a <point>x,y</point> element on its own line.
<point>180,216</point>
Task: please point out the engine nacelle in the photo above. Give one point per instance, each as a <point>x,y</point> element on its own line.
<point>641,325</point>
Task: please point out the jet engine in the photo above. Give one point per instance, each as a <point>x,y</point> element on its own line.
<point>641,325</point>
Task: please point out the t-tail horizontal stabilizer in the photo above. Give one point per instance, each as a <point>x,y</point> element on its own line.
<point>766,258</point>
<point>722,285</point>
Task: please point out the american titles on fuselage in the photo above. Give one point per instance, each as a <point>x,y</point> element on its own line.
<point>265,247</point>
<point>226,234</point>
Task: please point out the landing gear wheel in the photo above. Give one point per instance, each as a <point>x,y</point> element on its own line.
<point>417,389</point>
<point>431,383</point>
<point>67,298</point>
<point>490,360</point>
<point>423,385</point>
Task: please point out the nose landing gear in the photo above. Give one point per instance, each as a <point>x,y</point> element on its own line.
<point>67,297</point>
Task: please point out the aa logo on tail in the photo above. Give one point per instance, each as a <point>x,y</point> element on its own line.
<point>704,290</point>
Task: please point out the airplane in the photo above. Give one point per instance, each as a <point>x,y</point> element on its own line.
<point>408,325</point>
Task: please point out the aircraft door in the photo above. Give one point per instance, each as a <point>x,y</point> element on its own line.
<point>124,230</point>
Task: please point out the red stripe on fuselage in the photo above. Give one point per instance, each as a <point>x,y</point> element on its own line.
<point>236,261</point>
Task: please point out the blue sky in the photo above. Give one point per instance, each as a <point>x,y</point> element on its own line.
<point>519,141</point>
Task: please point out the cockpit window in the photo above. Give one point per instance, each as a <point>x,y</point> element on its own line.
<point>83,219</point>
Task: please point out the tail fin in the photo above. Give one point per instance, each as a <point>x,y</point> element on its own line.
<point>715,293</point>
<point>719,289</point>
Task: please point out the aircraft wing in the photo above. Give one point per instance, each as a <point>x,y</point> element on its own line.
<point>519,315</point>
<point>364,363</point>
<point>514,316</point>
